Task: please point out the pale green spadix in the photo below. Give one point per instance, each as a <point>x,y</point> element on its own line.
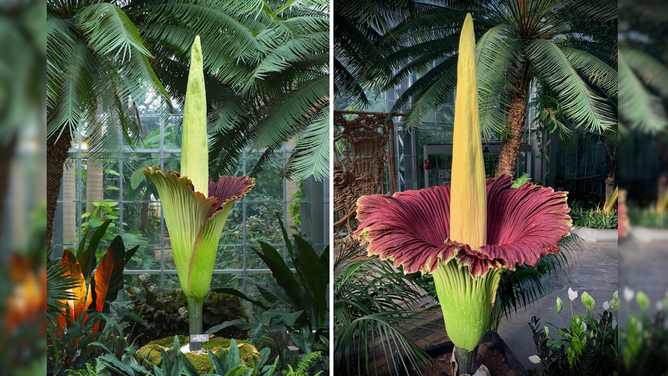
<point>194,150</point>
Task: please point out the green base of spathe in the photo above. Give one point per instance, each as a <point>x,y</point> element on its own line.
<point>466,302</point>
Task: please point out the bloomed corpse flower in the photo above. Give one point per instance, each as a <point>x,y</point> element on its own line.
<point>465,234</point>
<point>195,207</point>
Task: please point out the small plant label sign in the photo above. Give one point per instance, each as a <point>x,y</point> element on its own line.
<point>199,338</point>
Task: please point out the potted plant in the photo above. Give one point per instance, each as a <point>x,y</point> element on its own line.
<point>196,208</point>
<point>468,233</point>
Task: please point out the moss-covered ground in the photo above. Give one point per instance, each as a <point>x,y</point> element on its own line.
<point>248,353</point>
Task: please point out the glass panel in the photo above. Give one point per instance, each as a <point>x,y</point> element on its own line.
<point>172,162</point>
<point>171,282</point>
<point>143,221</point>
<point>136,187</point>
<point>230,257</point>
<point>137,281</point>
<point>267,185</point>
<point>253,293</point>
<point>173,133</point>
<point>261,223</point>
<point>169,258</point>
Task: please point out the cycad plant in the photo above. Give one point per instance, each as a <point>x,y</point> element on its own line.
<point>97,64</point>
<point>569,46</point>
<point>468,233</point>
<point>373,302</point>
<point>196,208</point>
<point>267,76</point>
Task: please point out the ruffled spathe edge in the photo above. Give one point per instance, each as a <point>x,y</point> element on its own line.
<point>227,189</point>
<point>412,227</point>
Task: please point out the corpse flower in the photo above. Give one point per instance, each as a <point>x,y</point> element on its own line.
<point>196,208</point>
<point>468,233</point>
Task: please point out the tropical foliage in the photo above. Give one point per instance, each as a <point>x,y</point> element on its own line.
<point>643,341</point>
<point>587,345</point>
<point>568,47</point>
<point>267,80</point>
<point>372,301</point>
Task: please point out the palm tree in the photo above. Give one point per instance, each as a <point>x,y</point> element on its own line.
<point>96,64</point>
<point>569,46</point>
<point>359,64</point>
<point>266,71</point>
<point>265,68</point>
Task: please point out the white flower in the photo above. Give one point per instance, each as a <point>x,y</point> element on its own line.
<point>572,295</point>
<point>628,294</point>
<point>535,359</point>
<point>183,312</point>
<point>606,305</point>
<point>144,277</point>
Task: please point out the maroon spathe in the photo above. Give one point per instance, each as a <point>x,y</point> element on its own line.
<point>412,228</point>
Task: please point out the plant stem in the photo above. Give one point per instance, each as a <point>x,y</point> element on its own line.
<point>195,313</point>
<point>466,360</point>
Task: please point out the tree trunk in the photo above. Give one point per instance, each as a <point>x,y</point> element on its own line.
<point>56,155</point>
<point>610,179</point>
<point>510,148</point>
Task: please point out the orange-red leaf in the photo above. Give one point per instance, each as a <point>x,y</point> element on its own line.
<point>82,299</point>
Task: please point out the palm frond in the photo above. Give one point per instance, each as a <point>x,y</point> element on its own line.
<point>206,18</point>
<point>594,69</point>
<point>58,290</point>
<point>311,155</point>
<point>73,97</point>
<point>288,115</point>
<point>429,92</point>
<point>649,69</point>
<point>642,110</point>
<point>498,53</point>
<point>346,85</point>
<point>582,105</point>
<point>110,31</point>
<point>358,54</point>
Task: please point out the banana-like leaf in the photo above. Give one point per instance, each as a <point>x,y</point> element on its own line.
<point>282,273</point>
<point>109,275</point>
<point>82,298</point>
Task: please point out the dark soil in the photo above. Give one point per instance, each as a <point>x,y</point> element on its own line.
<point>487,355</point>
